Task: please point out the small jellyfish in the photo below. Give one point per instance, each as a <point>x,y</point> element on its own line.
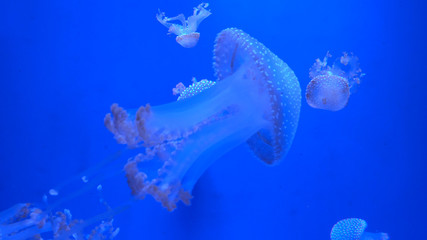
<point>354,229</point>
<point>186,33</point>
<point>330,86</point>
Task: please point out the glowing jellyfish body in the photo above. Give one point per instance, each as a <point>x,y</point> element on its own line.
<point>186,31</point>
<point>256,99</point>
<point>354,229</point>
<point>330,86</point>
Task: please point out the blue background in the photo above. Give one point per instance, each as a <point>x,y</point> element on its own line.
<point>63,63</point>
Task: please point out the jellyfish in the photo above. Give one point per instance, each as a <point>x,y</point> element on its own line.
<point>256,99</point>
<point>46,220</point>
<point>26,221</point>
<point>354,229</point>
<point>330,87</point>
<point>186,33</point>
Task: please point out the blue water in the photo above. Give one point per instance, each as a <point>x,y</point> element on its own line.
<point>64,63</point>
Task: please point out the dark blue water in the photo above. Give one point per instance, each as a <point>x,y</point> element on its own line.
<point>64,64</point>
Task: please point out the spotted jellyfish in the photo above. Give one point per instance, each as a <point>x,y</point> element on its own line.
<point>354,229</point>
<point>186,33</point>
<point>255,100</point>
<point>330,86</point>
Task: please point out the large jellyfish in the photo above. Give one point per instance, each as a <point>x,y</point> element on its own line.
<point>354,229</point>
<point>186,33</point>
<point>330,86</point>
<point>256,100</point>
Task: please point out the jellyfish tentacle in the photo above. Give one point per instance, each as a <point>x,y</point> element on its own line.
<point>123,129</point>
<point>26,221</point>
<point>200,13</point>
<point>173,27</point>
<point>195,148</point>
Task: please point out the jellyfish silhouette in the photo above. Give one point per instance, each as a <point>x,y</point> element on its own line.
<point>256,100</point>
<point>354,229</point>
<point>186,31</point>
<point>330,86</point>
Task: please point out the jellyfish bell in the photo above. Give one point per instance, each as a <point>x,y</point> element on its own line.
<point>328,92</point>
<point>233,50</point>
<point>256,100</point>
<point>188,40</point>
<point>195,88</point>
<point>354,229</point>
<point>331,86</point>
<point>348,229</point>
